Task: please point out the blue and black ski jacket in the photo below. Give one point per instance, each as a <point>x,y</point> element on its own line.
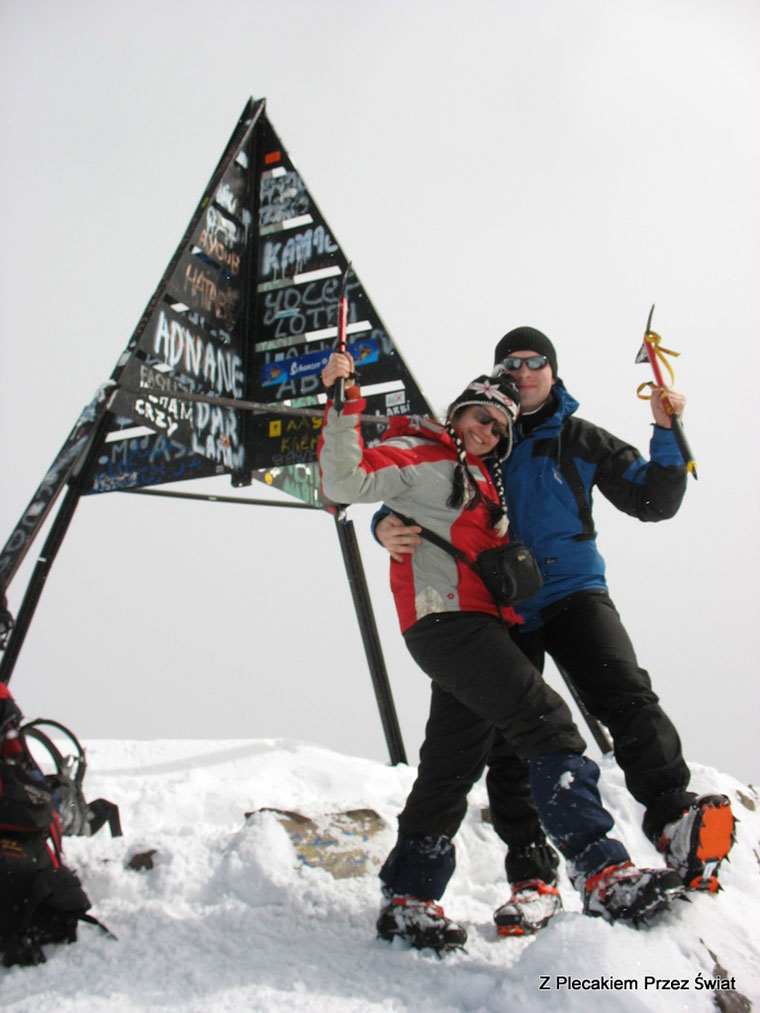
<point>549,478</point>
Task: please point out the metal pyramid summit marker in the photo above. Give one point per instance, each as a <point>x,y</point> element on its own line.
<point>246,312</point>
<point>221,374</point>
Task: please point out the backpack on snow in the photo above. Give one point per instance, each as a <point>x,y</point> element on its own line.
<point>78,818</point>
<point>41,899</point>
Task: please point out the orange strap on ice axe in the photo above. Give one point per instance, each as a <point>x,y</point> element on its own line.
<point>652,351</point>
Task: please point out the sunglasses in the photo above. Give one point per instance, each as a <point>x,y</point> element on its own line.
<point>514,362</point>
<point>500,432</point>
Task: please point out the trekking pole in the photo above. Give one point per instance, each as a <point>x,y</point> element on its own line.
<point>652,352</point>
<point>339,393</point>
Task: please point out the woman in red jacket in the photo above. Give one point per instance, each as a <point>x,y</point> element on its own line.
<point>480,680</point>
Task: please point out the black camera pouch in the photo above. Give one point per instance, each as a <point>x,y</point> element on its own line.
<point>510,572</point>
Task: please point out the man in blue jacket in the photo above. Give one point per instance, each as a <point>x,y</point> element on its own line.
<point>556,461</point>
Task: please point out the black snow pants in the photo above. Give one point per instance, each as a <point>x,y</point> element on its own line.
<point>481,683</point>
<point>585,636</point>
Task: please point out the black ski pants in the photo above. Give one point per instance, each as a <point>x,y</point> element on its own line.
<point>480,681</point>
<point>585,636</point>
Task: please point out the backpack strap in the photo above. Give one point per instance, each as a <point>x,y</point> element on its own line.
<point>32,728</point>
<point>94,921</point>
<point>79,817</point>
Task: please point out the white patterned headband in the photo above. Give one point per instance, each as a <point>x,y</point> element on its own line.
<point>489,390</point>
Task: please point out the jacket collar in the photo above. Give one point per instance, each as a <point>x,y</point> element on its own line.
<point>550,421</point>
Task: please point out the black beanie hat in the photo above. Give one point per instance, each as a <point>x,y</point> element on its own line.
<point>526,339</point>
<point>498,391</point>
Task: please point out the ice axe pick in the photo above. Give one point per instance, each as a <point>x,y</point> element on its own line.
<point>652,351</point>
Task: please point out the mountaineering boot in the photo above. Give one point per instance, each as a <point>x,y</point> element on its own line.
<point>421,922</point>
<point>626,893</point>
<point>696,843</point>
<point>532,904</point>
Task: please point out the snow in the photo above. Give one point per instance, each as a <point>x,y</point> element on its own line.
<point>227,919</point>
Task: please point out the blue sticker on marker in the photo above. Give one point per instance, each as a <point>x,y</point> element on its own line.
<point>284,370</point>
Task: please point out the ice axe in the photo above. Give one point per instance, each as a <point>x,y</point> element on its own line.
<point>652,351</point>
<point>340,345</point>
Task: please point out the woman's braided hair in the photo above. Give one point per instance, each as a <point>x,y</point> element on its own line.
<point>496,391</point>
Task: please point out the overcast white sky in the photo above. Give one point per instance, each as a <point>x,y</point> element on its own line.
<point>484,165</point>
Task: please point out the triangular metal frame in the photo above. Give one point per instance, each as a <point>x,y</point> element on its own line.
<point>212,370</point>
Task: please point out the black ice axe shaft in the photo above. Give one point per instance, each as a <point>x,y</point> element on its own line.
<point>339,393</point>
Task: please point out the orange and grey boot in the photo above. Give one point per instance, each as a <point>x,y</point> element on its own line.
<point>696,843</point>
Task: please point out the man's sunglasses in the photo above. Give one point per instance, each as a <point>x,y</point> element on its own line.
<point>500,432</point>
<point>514,362</point>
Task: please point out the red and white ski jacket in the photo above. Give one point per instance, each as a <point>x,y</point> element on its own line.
<point>412,471</point>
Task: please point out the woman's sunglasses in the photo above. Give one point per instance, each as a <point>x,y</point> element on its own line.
<point>500,432</point>
<point>514,362</point>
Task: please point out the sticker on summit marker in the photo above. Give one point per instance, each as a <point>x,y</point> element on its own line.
<point>285,370</point>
